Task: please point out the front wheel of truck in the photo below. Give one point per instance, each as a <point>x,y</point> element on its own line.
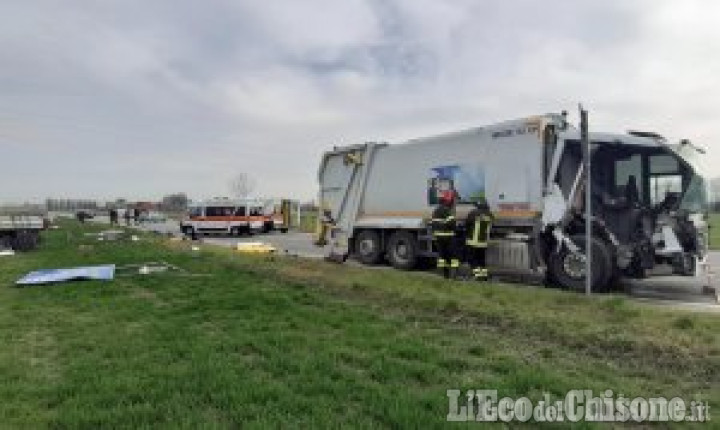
<point>568,268</point>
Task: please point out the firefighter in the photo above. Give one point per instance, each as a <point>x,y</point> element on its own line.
<point>477,229</point>
<point>325,225</point>
<point>113,216</point>
<point>443,231</point>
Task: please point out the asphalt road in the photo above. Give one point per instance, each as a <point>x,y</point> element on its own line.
<point>672,291</point>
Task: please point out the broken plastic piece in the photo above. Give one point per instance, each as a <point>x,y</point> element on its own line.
<point>255,247</point>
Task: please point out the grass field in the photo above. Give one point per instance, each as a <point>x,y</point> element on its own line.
<point>286,342</point>
<point>715,231</point>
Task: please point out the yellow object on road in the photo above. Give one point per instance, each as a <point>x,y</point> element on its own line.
<point>255,247</point>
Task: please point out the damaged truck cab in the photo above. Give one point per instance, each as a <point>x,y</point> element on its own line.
<point>649,208</point>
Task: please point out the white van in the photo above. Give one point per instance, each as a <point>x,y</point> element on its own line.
<point>224,216</point>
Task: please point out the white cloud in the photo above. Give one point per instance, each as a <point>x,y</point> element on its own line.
<point>162,96</point>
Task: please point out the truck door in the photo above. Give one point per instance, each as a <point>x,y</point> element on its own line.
<point>340,185</point>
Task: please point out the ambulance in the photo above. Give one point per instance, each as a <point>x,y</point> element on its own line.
<point>225,216</point>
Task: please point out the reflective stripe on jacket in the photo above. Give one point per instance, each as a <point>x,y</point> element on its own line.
<point>442,223</point>
<point>478,229</point>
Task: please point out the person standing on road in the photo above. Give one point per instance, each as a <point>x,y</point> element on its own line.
<point>326,224</point>
<point>477,230</point>
<point>443,230</point>
<point>136,216</point>
<point>113,216</point>
<point>127,216</point>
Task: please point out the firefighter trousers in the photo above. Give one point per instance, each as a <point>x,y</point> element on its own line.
<point>448,259</point>
<point>475,257</point>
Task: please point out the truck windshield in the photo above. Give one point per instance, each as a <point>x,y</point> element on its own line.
<point>649,176</point>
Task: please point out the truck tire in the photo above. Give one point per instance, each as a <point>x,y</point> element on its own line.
<point>367,247</point>
<point>402,250</point>
<point>569,271</point>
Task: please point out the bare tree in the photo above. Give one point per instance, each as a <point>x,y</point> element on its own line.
<point>242,185</point>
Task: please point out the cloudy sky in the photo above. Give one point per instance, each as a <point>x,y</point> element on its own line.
<point>140,98</point>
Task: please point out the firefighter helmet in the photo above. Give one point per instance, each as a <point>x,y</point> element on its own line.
<point>447,197</point>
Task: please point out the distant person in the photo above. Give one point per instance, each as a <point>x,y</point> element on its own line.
<point>127,216</point>
<point>113,216</point>
<point>326,224</point>
<point>82,216</point>
<point>136,216</point>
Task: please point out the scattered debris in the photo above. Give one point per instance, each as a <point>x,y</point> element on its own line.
<point>46,276</point>
<point>255,247</point>
<point>154,267</point>
<point>85,249</point>
<point>112,235</point>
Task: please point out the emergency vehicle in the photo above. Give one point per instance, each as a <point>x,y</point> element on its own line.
<point>225,216</point>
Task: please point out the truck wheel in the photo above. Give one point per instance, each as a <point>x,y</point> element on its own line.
<point>569,269</point>
<point>402,250</point>
<point>367,247</point>
<point>283,230</point>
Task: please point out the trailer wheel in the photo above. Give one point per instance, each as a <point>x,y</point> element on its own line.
<point>569,269</point>
<point>24,241</point>
<point>402,250</point>
<point>367,247</point>
<point>6,242</point>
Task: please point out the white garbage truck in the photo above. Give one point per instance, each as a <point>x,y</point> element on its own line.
<point>648,199</point>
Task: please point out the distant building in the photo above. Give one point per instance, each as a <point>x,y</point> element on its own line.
<point>70,205</point>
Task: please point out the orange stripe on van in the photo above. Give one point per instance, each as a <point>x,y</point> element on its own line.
<point>229,218</point>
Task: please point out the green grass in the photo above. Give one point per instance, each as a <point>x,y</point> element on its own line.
<point>715,231</point>
<point>275,342</point>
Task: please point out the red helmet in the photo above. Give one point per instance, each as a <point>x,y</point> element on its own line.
<point>447,197</point>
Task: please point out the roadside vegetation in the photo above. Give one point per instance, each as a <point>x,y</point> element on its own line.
<point>283,342</point>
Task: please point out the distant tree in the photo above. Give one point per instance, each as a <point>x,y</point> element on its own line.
<point>242,185</point>
<point>177,202</point>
